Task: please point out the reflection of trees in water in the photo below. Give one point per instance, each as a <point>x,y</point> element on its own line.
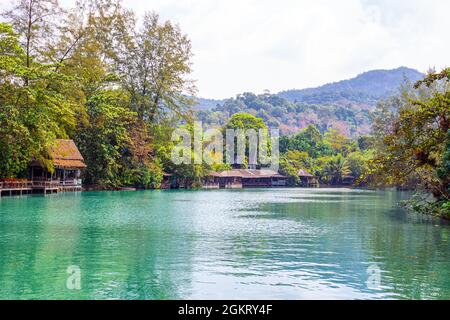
<point>141,259</point>
<point>412,251</point>
<point>415,256</point>
<point>118,256</point>
<point>145,245</point>
<point>18,253</point>
<point>306,239</point>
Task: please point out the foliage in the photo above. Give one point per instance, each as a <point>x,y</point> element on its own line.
<point>154,70</point>
<point>345,106</point>
<point>335,169</point>
<point>243,123</point>
<point>308,140</point>
<point>89,74</point>
<point>34,107</point>
<point>358,164</point>
<point>444,169</point>
<point>105,137</point>
<point>412,138</point>
<point>292,161</point>
<point>246,121</point>
<point>330,156</point>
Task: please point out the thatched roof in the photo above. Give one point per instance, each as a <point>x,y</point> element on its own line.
<point>304,173</point>
<point>65,154</point>
<point>247,174</point>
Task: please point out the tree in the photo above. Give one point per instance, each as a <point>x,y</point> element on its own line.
<point>411,136</point>
<point>292,161</point>
<point>15,140</point>
<point>104,137</point>
<point>34,20</point>
<point>339,142</point>
<point>154,70</point>
<point>86,73</point>
<point>444,169</point>
<point>187,175</point>
<point>335,169</point>
<point>444,175</point>
<point>243,124</point>
<point>358,164</point>
<point>309,140</point>
<point>365,142</point>
<point>34,108</point>
<point>245,121</point>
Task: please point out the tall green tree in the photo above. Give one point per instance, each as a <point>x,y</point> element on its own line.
<point>411,132</point>
<point>308,140</point>
<point>34,21</point>
<point>104,137</point>
<point>245,121</point>
<point>339,142</point>
<point>155,70</point>
<point>34,107</point>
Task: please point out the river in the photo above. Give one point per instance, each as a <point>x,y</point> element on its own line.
<point>221,244</point>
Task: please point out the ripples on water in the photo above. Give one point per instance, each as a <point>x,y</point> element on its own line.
<point>260,244</point>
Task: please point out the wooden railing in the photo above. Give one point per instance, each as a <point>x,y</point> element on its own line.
<point>26,184</point>
<point>251,183</point>
<point>45,184</point>
<point>71,183</point>
<point>15,185</point>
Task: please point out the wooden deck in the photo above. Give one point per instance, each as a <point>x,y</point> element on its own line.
<point>15,188</point>
<point>19,188</point>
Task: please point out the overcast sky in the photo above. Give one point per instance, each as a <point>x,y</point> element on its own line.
<point>253,45</point>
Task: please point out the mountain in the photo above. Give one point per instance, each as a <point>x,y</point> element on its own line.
<point>207,104</point>
<point>345,105</point>
<point>368,87</point>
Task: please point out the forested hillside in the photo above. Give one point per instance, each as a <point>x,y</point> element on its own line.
<point>344,105</point>
<point>367,88</point>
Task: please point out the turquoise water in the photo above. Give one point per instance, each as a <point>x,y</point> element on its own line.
<point>260,244</point>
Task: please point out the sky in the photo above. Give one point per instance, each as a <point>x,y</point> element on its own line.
<point>257,45</point>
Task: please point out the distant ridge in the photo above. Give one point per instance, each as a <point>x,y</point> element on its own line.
<point>344,105</point>
<point>367,87</point>
<point>207,104</point>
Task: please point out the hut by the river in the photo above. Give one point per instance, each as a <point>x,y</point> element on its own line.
<point>67,163</point>
<point>307,180</point>
<point>244,178</point>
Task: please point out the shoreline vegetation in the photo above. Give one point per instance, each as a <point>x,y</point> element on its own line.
<point>90,74</point>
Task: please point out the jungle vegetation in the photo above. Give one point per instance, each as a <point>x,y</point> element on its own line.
<point>92,73</point>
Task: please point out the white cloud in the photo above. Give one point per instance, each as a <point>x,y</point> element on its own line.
<point>252,45</point>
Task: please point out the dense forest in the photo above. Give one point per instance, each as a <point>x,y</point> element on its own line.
<point>408,147</point>
<point>89,73</point>
<point>346,105</point>
<point>119,88</point>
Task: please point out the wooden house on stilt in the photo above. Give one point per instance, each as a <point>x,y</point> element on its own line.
<point>67,163</point>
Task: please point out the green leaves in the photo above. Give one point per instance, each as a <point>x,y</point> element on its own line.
<point>105,136</point>
<point>155,70</point>
<point>88,74</point>
<point>335,169</point>
<point>245,121</point>
<point>330,156</point>
<point>412,137</point>
<point>33,107</point>
<point>309,140</point>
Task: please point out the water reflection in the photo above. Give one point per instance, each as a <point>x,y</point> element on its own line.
<point>261,243</point>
